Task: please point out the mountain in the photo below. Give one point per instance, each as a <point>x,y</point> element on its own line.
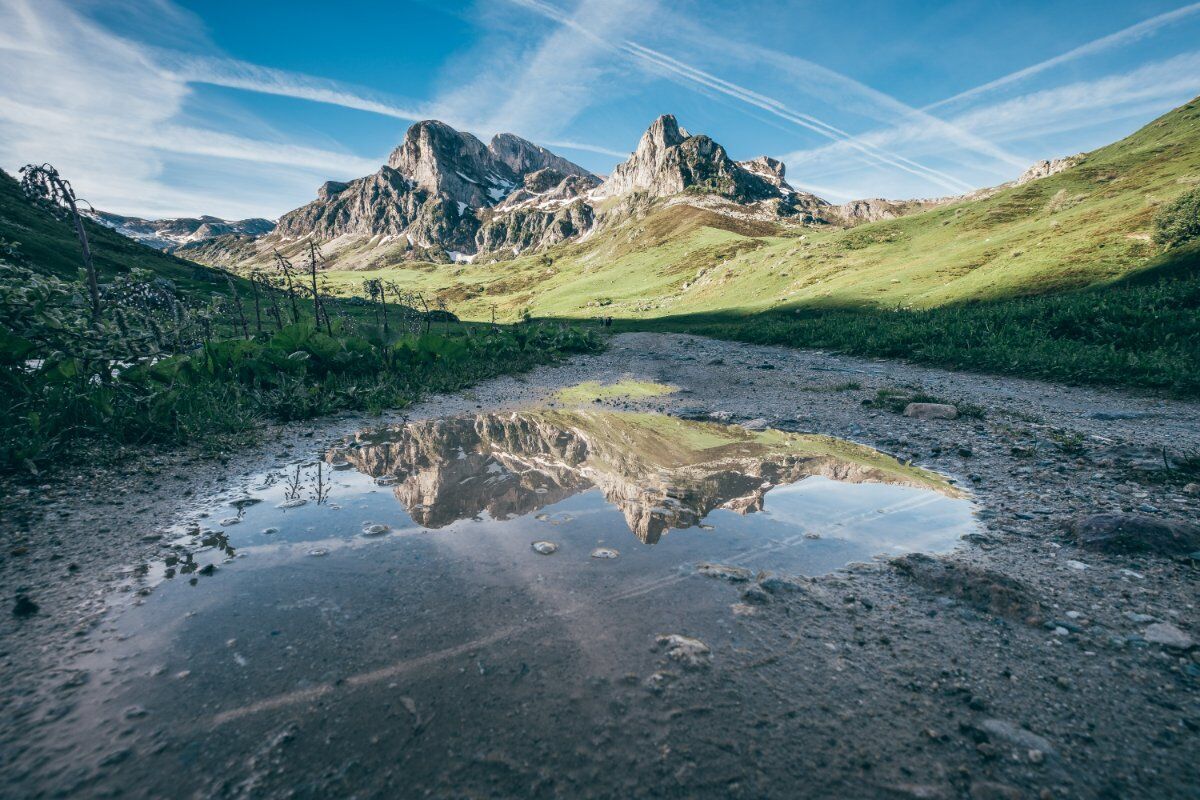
<point>445,196</point>
<point>1070,224</point>
<point>434,194</point>
<point>169,234</point>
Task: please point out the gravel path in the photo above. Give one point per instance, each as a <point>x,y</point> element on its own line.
<point>1021,669</point>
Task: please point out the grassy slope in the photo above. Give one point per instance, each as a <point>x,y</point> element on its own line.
<point>1086,225</point>
<point>49,244</point>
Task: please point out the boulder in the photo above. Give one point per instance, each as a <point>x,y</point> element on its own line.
<point>1134,533</point>
<point>983,589</point>
<point>930,411</point>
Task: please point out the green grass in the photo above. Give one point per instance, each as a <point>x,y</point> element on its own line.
<point>1088,225</point>
<point>593,391</point>
<point>1142,331</point>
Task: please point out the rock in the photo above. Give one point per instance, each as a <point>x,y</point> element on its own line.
<point>756,424</point>
<point>245,502</point>
<point>724,572</point>
<point>691,653</point>
<point>270,531</point>
<point>225,523</point>
<point>990,790</point>
<point>24,606</point>
<point>317,552</point>
<point>1167,635</point>
<point>299,501</point>
<point>1076,565</point>
<point>1016,736</point>
<point>983,589</point>
<point>605,552</point>
<point>376,529</point>
<point>1047,167</point>
<point>386,480</point>
<point>930,411</point>
<point>544,548</point>
<point>1192,488</point>
<point>756,595</point>
<point>780,585</point>
<point>1134,533</point>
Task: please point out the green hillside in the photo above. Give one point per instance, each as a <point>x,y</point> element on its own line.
<point>49,245</point>
<point>1086,225</point>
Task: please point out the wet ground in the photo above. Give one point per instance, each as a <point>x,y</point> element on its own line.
<point>610,603</point>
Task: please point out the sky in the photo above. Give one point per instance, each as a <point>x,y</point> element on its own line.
<point>166,108</point>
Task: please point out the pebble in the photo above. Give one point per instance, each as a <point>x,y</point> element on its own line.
<point>691,653</point>
<point>605,552</point>
<point>225,523</point>
<point>269,531</point>
<point>299,501</point>
<point>1077,565</point>
<point>318,551</point>
<point>1168,635</point>
<point>376,529</point>
<point>546,548</point>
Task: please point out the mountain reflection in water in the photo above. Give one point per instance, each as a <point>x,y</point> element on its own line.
<point>660,471</point>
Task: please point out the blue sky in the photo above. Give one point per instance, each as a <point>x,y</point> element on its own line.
<point>182,107</point>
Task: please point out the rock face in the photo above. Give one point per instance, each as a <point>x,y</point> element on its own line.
<point>669,160</point>
<point>857,212</point>
<point>169,234</point>
<point>436,192</point>
<point>1046,168</point>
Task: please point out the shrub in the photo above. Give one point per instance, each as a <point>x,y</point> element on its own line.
<point>1178,222</point>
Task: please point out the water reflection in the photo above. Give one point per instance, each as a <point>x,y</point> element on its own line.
<point>659,471</point>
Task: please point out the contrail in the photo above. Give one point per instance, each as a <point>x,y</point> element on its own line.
<point>1132,33</point>
<point>782,111</point>
<point>695,76</point>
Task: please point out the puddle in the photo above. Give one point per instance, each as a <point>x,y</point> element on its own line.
<point>457,569</point>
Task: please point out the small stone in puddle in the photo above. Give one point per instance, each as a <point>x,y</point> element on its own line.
<point>269,531</point>
<point>377,529</point>
<point>299,501</point>
<point>545,548</point>
<point>605,552</point>
<point>318,551</point>
<point>225,523</point>
<point>725,572</point>
<point>691,653</point>
<point>245,502</point>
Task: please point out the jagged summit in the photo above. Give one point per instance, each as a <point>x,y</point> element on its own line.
<point>669,160</point>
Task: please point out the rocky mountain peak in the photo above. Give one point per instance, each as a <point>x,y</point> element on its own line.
<point>669,160</point>
<point>522,156</point>
<point>451,163</point>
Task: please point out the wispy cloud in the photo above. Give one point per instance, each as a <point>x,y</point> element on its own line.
<point>692,76</point>
<point>1036,115</point>
<point>1122,37</point>
<point>234,74</point>
<point>102,109</point>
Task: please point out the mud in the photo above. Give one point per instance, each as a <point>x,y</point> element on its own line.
<point>860,683</point>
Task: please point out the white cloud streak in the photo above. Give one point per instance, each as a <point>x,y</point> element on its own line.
<point>692,76</point>
<point>1122,37</point>
<point>103,111</point>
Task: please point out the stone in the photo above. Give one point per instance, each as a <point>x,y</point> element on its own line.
<point>317,552</point>
<point>780,585</point>
<point>376,529</point>
<point>225,523</point>
<point>724,572</point>
<point>692,653</point>
<point>544,548</point>
<point>24,606</point>
<point>756,595</point>
<point>296,503</point>
<point>983,589</point>
<point>1016,736</point>
<point>990,790</point>
<point>605,552</point>
<point>930,411</point>
<point>1122,534</point>
<point>1167,635</point>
